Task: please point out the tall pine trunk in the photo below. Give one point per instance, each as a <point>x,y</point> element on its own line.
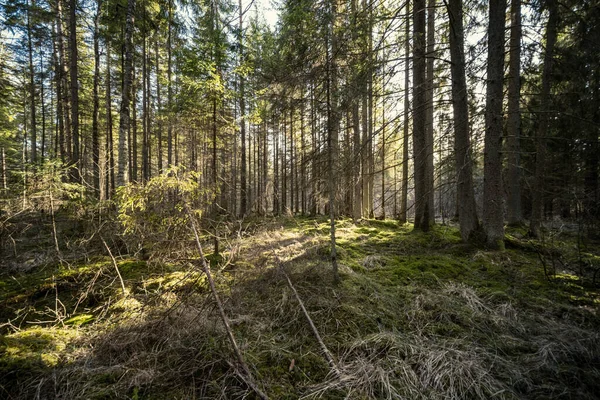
<point>493,208</point>
<point>513,123</point>
<point>145,111</point>
<point>60,134</point>
<point>109,149</point>
<point>64,76</point>
<point>243,184</point>
<point>159,129</point>
<point>96,101</point>
<point>43,108</point>
<point>537,206</point>
<point>467,210</point>
<point>74,72</point>
<point>332,130</point>
<point>356,140</point>
<point>429,87</point>
<point>420,148</point>
<point>124,121</point>
<point>169,89</point>
<point>402,217</point>
<point>33,124</point>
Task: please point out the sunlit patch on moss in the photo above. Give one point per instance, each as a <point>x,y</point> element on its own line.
<point>35,347</point>
<point>80,320</point>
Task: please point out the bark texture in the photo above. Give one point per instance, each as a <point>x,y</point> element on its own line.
<point>467,210</point>
<point>537,203</point>
<point>493,207</point>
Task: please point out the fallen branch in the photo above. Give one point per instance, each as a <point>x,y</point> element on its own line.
<point>115,265</point>
<point>327,354</point>
<point>246,376</point>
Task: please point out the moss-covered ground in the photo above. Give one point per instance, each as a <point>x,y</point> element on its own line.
<point>415,316</point>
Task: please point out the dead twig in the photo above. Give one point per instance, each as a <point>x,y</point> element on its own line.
<point>115,265</point>
<point>326,353</point>
<point>246,376</point>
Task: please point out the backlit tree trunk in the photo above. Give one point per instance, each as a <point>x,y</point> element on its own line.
<point>513,125</point>
<point>537,206</point>
<point>467,210</point>
<point>420,146</point>
<point>493,208</point>
<point>402,217</point>
<point>125,95</point>
<point>74,71</point>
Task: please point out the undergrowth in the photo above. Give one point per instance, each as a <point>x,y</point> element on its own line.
<point>416,316</point>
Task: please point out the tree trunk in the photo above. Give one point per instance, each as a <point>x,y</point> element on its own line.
<point>64,74</point>
<point>303,156</point>
<point>4,178</point>
<point>110,156</point>
<point>96,101</point>
<point>332,131</point>
<point>148,113</point>
<point>357,202</point>
<point>467,210</point>
<point>429,86</point>
<point>243,198</point>
<point>159,137</point>
<point>292,160</point>
<point>169,89</point>
<point>355,115</point>
<point>420,149</point>
<point>276,171</point>
<point>537,206</point>
<point>284,165</point>
<point>60,141</point>
<point>73,55</point>
<point>314,166</point>
<point>513,124</point>
<point>493,219</point>
<point>265,165</point>
<point>31,85</point>
<point>145,124</point>
<point>133,132</point>
<point>383,149</point>
<point>125,95</point>
<point>43,107</point>
<point>367,161</point>
<point>402,217</point>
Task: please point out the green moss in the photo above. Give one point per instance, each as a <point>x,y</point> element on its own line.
<point>80,320</point>
<point>425,269</point>
<point>131,269</point>
<point>35,348</point>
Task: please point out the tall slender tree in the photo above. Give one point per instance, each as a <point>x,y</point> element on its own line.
<point>513,123</point>
<point>405,134</point>
<point>537,205</point>
<point>493,207</point>
<point>124,121</point>
<point>96,103</point>
<point>331,46</point>
<point>32,91</point>
<point>420,145</point>
<point>467,209</point>
<point>429,106</point>
<point>74,71</point>
<point>242,101</point>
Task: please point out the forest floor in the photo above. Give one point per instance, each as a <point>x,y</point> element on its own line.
<point>415,316</point>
